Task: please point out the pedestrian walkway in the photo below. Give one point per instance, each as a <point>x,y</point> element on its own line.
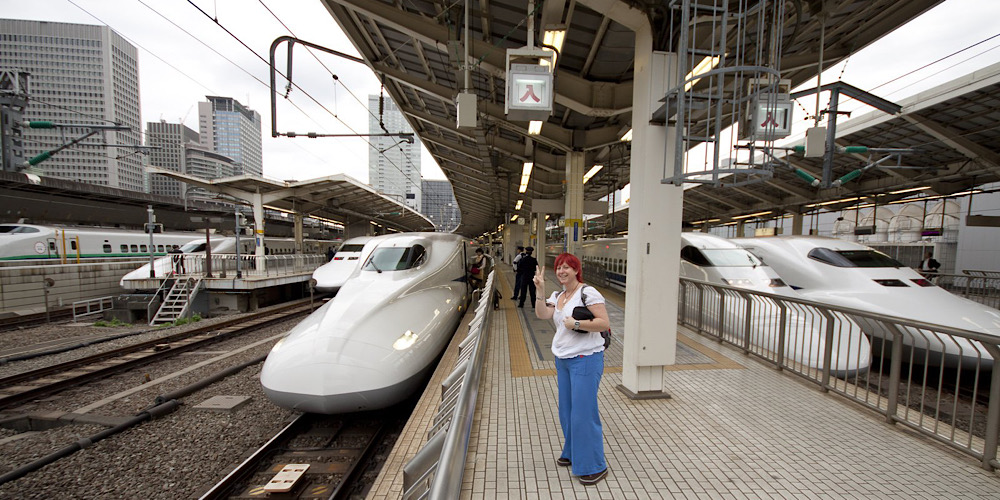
<point>733,428</point>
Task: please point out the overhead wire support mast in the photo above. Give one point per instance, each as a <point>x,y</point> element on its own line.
<point>94,129</point>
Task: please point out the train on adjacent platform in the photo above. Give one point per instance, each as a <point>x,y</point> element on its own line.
<point>331,276</point>
<point>848,274</point>
<point>713,259</point>
<point>226,245</point>
<point>36,242</point>
<point>374,343</point>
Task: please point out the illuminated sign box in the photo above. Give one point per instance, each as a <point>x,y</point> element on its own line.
<point>529,92</point>
<point>771,120</point>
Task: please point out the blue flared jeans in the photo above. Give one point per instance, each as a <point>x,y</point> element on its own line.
<point>578,380</point>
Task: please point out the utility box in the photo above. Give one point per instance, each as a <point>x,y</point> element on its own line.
<point>815,142</point>
<point>465,105</point>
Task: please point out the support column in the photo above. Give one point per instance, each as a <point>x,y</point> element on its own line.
<point>797,223</point>
<point>574,202</point>
<point>654,224</point>
<point>540,238</point>
<point>741,229</point>
<point>258,220</point>
<point>298,233</point>
<point>357,228</point>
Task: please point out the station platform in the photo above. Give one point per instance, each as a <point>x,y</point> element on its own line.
<point>733,428</point>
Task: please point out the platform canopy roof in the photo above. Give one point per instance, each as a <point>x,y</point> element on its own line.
<point>952,130</point>
<point>417,49</point>
<point>336,197</point>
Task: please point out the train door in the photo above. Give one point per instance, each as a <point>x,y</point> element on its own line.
<point>51,248</point>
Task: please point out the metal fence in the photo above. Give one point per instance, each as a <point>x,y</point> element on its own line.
<point>978,286</point>
<point>250,266</point>
<point>436,470</point>
<point>87,307</point>
<point>935,380</point>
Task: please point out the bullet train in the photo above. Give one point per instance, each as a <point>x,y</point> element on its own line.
<point>223,245</point>
<point>373,344</point>
<point>847,274</point>
<point>713,259</point>
<point>331,276</point>
<point>32,242</point>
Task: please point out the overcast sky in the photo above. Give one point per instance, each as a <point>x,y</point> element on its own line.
<point>213,63</point>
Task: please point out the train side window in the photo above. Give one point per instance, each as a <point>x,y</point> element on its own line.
<point>143,248</point>
<point>52,246</point>
<point>107,247</point>
<point>124,249</point>
<point>159,248</point>
<point>134,248</point>
<point>72,245</point>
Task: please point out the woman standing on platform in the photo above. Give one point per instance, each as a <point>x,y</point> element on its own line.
<point>579,351</point>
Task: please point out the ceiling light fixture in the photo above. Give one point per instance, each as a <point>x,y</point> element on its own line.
<point>592,172</point>
<point>525,176</point>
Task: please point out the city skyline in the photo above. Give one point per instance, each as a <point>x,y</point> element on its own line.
<point>171,94</point>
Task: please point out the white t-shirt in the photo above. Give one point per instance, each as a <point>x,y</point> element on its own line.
<point>568,343</point>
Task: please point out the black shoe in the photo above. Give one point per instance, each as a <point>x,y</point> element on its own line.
<point>514,299</point>
<point>591,479</point>
<point>563,462</point>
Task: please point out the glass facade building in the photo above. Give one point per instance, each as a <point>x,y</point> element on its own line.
<point>393,164</point>
<point>439,205</point>
<point>81,75</point>
<point>232,130</point>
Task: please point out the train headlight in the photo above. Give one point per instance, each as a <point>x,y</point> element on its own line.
<point>405,341</point>
<point>739,282</point>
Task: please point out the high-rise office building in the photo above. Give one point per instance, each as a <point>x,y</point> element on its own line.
<point>202,162</point>
<point>167,141</point>
<point>79,75</point>
<point>232,130</point>
<point>393,163</point>
<point>438,204</point>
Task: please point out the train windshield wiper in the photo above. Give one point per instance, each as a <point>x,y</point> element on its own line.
<point>372,262</point>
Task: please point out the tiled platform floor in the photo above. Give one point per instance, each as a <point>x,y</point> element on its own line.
<point>734,428</point>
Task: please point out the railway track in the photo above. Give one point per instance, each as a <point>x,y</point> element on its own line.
<point>315,456</point>
<point>29,385</point>
<point>35,319</point>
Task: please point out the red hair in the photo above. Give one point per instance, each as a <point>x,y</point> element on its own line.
<point>571,261</point>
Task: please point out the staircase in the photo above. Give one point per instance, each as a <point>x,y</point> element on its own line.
<point>177,302</point>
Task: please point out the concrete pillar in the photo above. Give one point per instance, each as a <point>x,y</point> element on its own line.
<point>574,202</point>
<point>258,220</point>
<point>654,224</point>
<point>298,233</point>
<point>741,229</point>
<point>797,223</point>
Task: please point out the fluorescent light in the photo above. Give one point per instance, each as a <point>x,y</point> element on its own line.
<point>627,136</point>
<point>535,127</point>
<point>593,171</point>
<point>514,218</point>
<point>704,221</point>
<point>525,176</point>
<point>518,206</point>
<point>704,66</point>
<point>554,38</point>
<point>901,191</point>
<point>832,202</point>
<point>751,215</point>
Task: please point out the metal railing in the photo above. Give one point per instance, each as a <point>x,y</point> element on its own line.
<point>936,380</point>
<point>251,266</point>
<point>91,306</point>
<point>436,470</point>
<point>978,286</point>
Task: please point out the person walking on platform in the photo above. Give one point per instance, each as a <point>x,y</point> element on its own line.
<point>517,276</point>
<point>525,270</point>
<point>579,352</point>
<point>478,269</point>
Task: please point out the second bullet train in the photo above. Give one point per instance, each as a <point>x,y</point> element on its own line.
<point>848,274</point>
<point>374,343</point>
<point>713,259</point>
<point>332,275</point>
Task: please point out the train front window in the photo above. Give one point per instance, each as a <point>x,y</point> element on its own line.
<point>194,246</point>
<point>396,258</point>
<point>853,258</point>
<point>12,229</point>
<point>351,248</point>
<point>719,257</point>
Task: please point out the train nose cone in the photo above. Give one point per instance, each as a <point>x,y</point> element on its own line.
<point>323,387</point>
